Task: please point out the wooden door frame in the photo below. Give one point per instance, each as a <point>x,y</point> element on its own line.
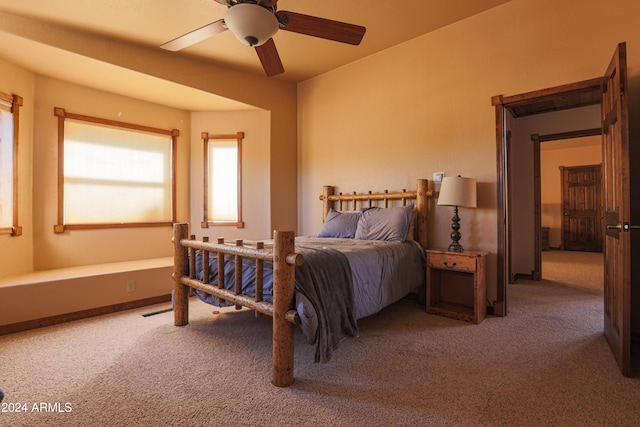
<point>502,104</point>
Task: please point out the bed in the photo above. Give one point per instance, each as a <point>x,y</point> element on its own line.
<point>368,254</point>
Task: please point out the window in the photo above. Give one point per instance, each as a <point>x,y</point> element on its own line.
<point>9,127</point>
<point>113,174</point>
<point>222,179</point>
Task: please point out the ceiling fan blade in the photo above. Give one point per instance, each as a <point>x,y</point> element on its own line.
<point>321,27</point>
<point>270,58</point>
<point>195,36</point>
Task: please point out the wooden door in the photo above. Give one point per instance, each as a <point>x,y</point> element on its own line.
<point>617,244</point>
<point>581,208</point>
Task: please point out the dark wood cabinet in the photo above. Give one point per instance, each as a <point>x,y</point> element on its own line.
<point>544,239</point>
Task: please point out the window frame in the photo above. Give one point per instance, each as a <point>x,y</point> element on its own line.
<point>61,227</point>
<point>206,137</point>
<point>14,102</point>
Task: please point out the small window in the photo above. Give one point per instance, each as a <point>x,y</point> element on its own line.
<point>113,174</point>
<point>222,180</point>
<point>9,128</point>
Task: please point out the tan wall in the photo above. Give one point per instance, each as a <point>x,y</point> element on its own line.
<point>553,155</point>
<point>82,247</point>
<point>425,106</point>
<point>256,200</point>
<point>16,252</point>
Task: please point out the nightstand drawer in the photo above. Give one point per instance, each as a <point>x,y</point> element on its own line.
<point>452,262</point>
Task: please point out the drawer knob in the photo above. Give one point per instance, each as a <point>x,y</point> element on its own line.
<point>450,266</point>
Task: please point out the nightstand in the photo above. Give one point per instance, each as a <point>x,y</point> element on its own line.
<point>457,284</point>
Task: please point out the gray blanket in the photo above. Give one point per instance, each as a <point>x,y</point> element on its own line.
<point>325,280</point>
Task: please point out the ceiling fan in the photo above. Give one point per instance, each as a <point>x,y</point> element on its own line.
<point>254,22</point>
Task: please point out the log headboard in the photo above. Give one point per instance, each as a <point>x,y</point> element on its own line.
<point>386,199</point>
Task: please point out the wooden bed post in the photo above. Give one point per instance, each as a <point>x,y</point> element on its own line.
<point>422,209</point>
<point>327,191</point>
<point>180,268</point>
<point>283,294</point>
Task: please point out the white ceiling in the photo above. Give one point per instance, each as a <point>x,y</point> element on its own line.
<point>154,22</point>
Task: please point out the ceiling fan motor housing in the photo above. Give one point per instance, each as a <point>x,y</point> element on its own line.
<point>251,24</point>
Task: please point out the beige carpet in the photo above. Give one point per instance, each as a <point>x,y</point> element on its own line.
<point>571,268</point>
<point>545,364</point>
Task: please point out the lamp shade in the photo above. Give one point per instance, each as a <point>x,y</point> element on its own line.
<point>458,191</point>
<point>251,24</point>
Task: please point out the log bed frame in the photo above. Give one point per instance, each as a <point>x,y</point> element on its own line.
<point>284,260</point>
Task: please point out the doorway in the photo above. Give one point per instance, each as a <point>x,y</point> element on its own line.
<point>567,215</point>
<point>612,91</point>
<point>515,204</point>
<point>570,194</point>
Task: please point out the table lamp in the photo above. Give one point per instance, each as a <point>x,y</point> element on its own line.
<point>458,192</point>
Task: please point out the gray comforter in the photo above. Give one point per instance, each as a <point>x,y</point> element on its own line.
<point>341,280</point>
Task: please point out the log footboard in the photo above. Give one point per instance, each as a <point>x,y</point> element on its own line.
<point>284,261</point>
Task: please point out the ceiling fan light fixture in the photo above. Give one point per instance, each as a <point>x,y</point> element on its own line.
<point>251,24</point>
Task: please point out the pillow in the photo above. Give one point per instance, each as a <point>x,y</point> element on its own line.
<point>391,224</point>
<point>340,224</point>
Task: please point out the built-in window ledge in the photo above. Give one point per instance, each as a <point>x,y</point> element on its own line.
<point>49,297</point>
<point>52,275</point>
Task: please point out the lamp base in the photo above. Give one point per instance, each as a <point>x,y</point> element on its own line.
<point>455,234</point>
<point>455,247</point>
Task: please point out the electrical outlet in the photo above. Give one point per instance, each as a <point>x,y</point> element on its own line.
<point>437,177</point>
<point>131,285</point>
